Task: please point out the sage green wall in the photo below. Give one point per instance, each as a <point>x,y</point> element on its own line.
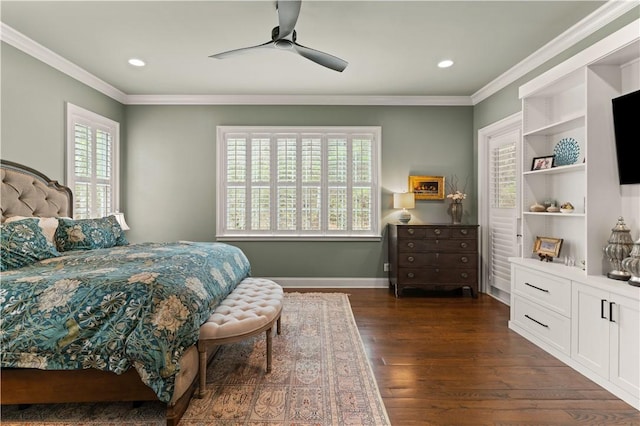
<point>171,175</point>
<point>33,111</point>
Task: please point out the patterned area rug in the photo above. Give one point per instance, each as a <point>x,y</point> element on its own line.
<point>320,376</point>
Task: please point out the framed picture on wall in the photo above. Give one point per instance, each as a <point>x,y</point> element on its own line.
<point>427,187</point>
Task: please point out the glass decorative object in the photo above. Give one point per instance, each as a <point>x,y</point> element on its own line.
<point>631,264</point>
<point>456,213</point>
<point>619,248</point>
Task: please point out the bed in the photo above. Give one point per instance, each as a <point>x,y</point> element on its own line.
<point>110,321</point>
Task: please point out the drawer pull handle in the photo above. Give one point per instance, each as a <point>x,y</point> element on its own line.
<point>410,258</point>
<point>602,303</point>
<point>437,231</point>
<point>611,311</point>
<point>536,321</point>
<point>464,259</point>
<point>464,231</point>
<point>410,275</point>
<point>464,275</point>
<point>410,245</point>
<point>410,231</point>
<point>463,245</point>
<point>537,288</point>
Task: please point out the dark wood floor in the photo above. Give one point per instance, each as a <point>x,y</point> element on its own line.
<point>451,360</point>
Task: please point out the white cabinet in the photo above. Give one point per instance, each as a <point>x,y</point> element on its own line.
<point>586,320</point>
<point>605,335</point>
<point>591,323</point>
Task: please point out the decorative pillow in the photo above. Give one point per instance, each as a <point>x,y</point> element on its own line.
<point>23,243</point>
<point>47,224</point>
<point>88,234</point>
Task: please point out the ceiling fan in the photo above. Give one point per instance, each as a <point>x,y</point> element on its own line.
<point>284,37</point>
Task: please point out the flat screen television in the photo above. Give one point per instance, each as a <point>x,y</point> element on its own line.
<point>626,125</point>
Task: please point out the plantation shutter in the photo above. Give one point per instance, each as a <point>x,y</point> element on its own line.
<point>503,199</point>
<point>298,183</point>
<point>92,163</point>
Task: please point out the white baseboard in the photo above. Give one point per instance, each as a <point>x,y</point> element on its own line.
<point>294,282</point>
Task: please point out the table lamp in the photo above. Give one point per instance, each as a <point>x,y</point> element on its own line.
<point>404,201</point>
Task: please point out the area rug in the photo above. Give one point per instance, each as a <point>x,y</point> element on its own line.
<point>320,376</point>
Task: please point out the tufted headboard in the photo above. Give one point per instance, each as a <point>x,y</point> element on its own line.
<point>27,192</point>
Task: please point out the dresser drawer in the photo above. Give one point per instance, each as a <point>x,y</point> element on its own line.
<point>437,275</point>
<point>451,246</point>
<point>545,324</point>
<point>423,232</point>
<point>438,259</point>
<point>547,290</point>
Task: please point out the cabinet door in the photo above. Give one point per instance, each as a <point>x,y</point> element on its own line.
<point>625,345</point>
<point>590,328</point>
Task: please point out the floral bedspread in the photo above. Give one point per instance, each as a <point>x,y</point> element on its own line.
<point>139,305</point>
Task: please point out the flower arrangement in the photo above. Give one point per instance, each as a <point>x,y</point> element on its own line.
<point>454,193</point>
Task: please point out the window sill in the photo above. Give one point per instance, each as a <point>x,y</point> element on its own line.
<point>346,238</point>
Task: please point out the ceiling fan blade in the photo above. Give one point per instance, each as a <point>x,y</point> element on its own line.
<point>321,58</point>
<point>241,51</point>
<point>288,11</point>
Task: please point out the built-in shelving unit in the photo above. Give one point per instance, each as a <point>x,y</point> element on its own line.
<point>573,311</point>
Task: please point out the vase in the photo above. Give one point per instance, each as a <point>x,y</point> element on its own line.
<point>631,264</point>
<point>456,213</point>
<point>619,248</point>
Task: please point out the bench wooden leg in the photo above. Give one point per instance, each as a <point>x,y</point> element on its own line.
<point>202,371</point>
<point>279,326</point>
<point>269,345</point>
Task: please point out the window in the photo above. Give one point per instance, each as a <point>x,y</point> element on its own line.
<point>298,183</point>
<point>92,162</point>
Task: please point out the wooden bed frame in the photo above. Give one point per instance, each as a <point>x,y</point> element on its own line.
<point>33,386</point>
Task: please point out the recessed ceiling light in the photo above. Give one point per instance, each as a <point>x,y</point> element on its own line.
<point>445,64</point>
<point>136,62</point>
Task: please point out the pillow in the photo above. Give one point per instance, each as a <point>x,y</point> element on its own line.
<point>23,243</point>
<point>88,234</point>
<point>47,224</point>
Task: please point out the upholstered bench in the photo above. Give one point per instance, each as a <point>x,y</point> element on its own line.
<point>251,308</point>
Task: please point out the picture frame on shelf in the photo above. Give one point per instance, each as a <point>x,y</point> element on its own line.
<point>543,163</point>
<point>547,247</point>
<point>427,187</point>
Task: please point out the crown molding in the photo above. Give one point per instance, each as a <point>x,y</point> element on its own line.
<point>587,26</point>
<point>600,17</point>
<point>298,100</point>
<point>38,51</point>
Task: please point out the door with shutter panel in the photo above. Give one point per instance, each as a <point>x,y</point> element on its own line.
<point>498,187</point>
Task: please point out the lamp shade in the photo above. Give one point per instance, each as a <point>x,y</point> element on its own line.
<point>120,218</point>
<point>405,200</point>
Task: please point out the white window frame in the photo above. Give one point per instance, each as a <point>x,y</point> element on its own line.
<point>78,115</point>
<point>324,234</point>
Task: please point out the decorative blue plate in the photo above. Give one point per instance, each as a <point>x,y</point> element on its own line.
<point>566,151</point>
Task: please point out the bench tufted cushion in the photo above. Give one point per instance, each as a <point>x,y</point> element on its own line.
<point>253,304</point>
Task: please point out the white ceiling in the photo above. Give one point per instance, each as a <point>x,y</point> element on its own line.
<point>392,46</point>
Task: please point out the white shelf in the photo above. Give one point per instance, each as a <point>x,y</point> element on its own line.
<point>557,170</point>
<point>572,122</point>
<point>558,214</point>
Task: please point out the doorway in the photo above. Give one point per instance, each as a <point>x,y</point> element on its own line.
<point>498,205</point>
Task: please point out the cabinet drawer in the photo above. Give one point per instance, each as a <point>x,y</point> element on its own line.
<point>549,291</point>
<point>419,233</point>
<point>547,325</point>
<point>452,246</point>
<point>437,275</point>
<point>438,259</point>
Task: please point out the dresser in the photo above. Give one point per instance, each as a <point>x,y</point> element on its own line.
<point>433,257</point>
